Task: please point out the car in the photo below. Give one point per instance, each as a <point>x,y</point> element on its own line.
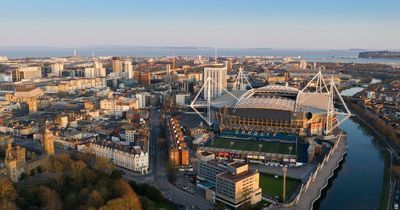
<point>396,206</point>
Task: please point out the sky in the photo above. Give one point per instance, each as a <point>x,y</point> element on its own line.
<point>286,24</point>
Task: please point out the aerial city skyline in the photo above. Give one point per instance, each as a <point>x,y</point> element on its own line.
<point>200,105</point>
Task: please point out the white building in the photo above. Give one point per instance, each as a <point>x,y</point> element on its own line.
<point>182,99</point>
<point>132,158</point>
<point>96,71</point>
<point>57,69</point>
<point>127,69</point>
<point>118,105</point>
<point>218,74</point>
<point>142,99</point>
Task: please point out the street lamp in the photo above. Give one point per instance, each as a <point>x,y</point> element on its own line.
<point>284,169</point>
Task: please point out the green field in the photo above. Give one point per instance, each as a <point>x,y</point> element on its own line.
<point>248,145</point>
<point>273,187</point>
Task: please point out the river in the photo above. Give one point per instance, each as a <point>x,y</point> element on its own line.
<point>358,182</point>
<point>353,90</point>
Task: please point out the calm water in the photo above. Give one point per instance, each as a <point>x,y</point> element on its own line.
<point>359,182</point>
<point>353,90</point>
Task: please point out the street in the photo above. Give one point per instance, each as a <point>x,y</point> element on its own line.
<point>158,175</point>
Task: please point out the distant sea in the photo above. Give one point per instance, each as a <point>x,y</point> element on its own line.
<point>308,55</point>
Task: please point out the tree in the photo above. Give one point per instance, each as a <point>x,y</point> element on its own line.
<point>77,170</point>
<point>104,165</point>
<point>128,200</point>
<point>39,169</point>
<point>32,173</point>
<point>23,176</point>
<point>95,199</point>
<point>50,199</point>
<point>8,194</point>
<point>116,174</point>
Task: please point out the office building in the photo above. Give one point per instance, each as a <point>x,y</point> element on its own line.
<point>238,186</point>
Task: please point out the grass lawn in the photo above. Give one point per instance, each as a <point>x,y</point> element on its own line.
<point>273,187</point>
<point>250,145</point>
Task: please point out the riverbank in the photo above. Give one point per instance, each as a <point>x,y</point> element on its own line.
<point>311,190</point>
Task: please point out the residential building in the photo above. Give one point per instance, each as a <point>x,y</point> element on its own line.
<point>215,87</point>
<point>133,158</point>
<point>116,65</point>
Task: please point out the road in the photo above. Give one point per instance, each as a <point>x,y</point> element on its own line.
<point>158,175</point>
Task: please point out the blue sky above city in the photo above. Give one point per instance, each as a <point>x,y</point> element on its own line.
<point>286,24</point>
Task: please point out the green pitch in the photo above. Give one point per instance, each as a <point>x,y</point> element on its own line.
<point>273,187</point>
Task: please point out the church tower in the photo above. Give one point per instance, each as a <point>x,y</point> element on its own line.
<point>48,141</point>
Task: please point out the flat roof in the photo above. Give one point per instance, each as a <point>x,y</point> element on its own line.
<point>236,177</point>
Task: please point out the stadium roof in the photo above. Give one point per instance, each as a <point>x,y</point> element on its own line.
<point>267,103</point>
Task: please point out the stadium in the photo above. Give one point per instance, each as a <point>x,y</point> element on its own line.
<point>274,123</point>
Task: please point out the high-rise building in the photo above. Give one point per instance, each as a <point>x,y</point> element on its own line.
<point>57,69</point>
<point>127,69</point>
<point>218,75</point>
<point>26,73</point>
<point>303,65</point>
<point>117,65</point>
